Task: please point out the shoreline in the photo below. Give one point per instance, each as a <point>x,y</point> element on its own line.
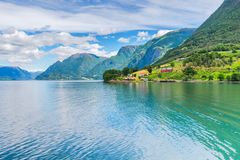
<point>171,81</point>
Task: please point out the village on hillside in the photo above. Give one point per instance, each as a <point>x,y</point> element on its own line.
<point>143,74</point>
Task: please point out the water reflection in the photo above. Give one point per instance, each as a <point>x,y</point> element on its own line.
<point>75,120</point>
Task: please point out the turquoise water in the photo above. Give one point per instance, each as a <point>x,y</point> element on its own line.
<point>96,121</point>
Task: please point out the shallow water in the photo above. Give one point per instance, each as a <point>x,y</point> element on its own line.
<point>149,121</point>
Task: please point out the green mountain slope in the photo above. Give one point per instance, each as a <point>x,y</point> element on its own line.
<point>72,68</point>
<point>220,32</point>
<point>154,49</point>
<point>119,61</point>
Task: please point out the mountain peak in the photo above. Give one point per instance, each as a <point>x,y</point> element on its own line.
<point>74,67</point>
<point>78,55</point>
<point>126,50</point>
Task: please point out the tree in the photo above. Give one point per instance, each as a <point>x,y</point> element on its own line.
<point>221,77</point>
<point>235,77</point>
<point>149,68</point>
<point>125,71</point>
<point>172,64</point>
<point>228,78</point>
<point>238,68</point>
<point>211,77</point>
<point>230,61</point>
<point>159,75</point>
<point>131,70</point>
<point>189,71</point>
<point>111,75</point>
<point>204,77</point>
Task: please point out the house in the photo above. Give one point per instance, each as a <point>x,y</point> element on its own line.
<point>130,78</point>
<point>141,73</point>
<point>138,75</point>
<point>166,70</point>
<point>165,66</point>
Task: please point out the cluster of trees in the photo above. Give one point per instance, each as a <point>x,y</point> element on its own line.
<point>188,72</point>
<point>149,68</point>
<point>224,47</point>
<point>212,45</point>
<point>111,74</point>
<point>208,60</point>
<point>126,71</point>
<point>114,74</point>
<point>234,77</point>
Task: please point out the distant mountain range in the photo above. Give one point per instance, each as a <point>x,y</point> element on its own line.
<point>89,66</point>
<point>16,73</point>
<point>221,31</point>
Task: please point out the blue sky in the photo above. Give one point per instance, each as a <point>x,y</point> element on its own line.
<point>36,33</point>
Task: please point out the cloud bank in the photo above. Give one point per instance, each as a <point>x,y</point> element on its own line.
<point>105,18</point>
<point>18,47</point>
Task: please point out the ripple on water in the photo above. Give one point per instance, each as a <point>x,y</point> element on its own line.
<point>74,120</point>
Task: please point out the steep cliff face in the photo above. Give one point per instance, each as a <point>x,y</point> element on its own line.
<point>155,49</point>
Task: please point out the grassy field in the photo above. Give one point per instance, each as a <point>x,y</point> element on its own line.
<point>226,66</point>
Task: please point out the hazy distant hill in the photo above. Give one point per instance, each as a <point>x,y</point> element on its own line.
<point>14,73</point>
<point>35,74</point>
<point>72,68</point>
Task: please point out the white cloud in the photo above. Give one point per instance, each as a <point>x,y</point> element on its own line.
<point>96,18</point>
<point>161,33</point>
<point>113,53</point>
<point>123,40</point>
<point>109,37</point>
<point>19,48</point>
<point>66,51</point>
<point>143,36</point>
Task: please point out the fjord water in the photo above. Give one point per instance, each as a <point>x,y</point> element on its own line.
<point>149,121</point>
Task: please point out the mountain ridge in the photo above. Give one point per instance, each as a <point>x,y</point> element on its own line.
<point>221,29</point>
<point>79,66</point>
<point>72,68</point>
<point>157,47</point>
<point>119,61</point>
<point>16,73</point>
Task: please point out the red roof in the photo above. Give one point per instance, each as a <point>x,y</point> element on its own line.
<point>166,70</point>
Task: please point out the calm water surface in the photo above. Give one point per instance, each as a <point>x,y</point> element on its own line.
<point>96,121</point>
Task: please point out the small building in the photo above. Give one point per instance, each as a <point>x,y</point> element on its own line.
<point>166,70</point>
<point>130,78</point>
<point>141,73</point>
<point>165,66</point>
